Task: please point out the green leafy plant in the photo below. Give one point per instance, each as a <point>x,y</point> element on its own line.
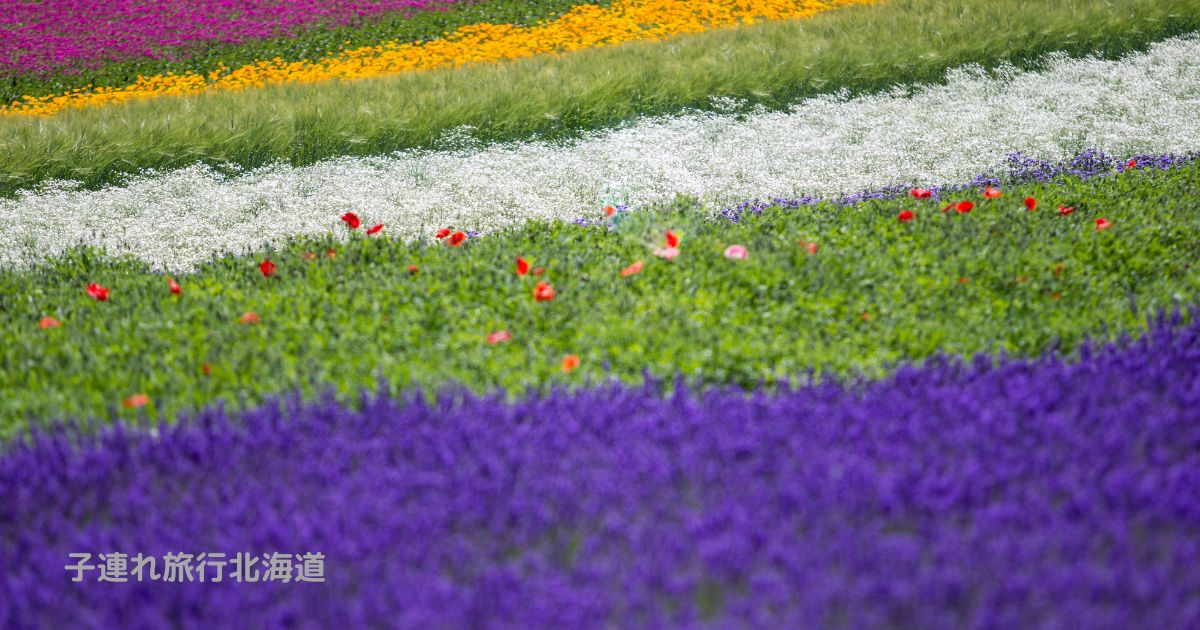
<point>877,291</point>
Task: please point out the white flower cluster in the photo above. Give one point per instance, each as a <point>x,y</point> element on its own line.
<point>1148,102</point>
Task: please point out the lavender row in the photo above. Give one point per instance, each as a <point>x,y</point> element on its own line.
<point>1030,493</point>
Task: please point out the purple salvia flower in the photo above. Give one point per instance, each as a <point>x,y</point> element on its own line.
<point>987,493</point>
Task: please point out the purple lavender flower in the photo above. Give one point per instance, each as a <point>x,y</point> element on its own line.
<point>1011,493</point>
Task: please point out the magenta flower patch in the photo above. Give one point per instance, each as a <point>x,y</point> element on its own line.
<point>72,35</point>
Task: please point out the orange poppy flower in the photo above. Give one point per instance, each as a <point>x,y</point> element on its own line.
<point>569,363</point>
<point>134,401</point>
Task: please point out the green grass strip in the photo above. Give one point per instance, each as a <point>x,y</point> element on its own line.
<point>1030,281</point>
<point>310,44</point>
<point>858,49</point>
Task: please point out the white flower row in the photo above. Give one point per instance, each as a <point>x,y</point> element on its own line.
<point>1147,102</point>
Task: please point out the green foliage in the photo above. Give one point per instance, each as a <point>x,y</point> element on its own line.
<point>311,44</point>
<point>857,49</point>
<point>360,318</point>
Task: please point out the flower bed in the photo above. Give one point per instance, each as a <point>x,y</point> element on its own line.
<point>862,50</point>
<point>878,318</point>
<point>858,288</point>
<point>1031,493</point>
<point>823,147</point>
<point>53,35</point>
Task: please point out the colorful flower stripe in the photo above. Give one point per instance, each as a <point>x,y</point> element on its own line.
<point>310,41</point>
<point>1019,168</point>
<point>562,96</point>
<point>586,26</point>
<point>1033,494</point>
<point>662,291</point>
<point>72,35</point>
<point>822,147</point>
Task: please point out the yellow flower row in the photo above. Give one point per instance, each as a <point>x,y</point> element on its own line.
<point>585,26</point>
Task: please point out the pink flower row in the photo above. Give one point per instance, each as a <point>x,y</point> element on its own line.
<point>69,35</point>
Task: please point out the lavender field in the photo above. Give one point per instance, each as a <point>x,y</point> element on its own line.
<point>624,314</point>
<point>1028,493</point>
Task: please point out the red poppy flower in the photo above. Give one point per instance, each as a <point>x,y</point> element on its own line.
<point>947,206</point>
<point>672,239</point>
<point>134,401</point>
<point>635,268</point>
<point>500,336</point>
<point>174,286</point>
<point>351,220</point>
<point>331,253</point>
<point>906,215</point>
<point>97,292</point>
<point>1065,210</point>
<point>1103,224</point>
<point>1131,164</point>
<point>963,280</point>
<point>413,270</point>
<point>206,369</point>
<point>865,316</point>
<point>522,266</point>
<point>964,207</point>
<point>811,248</point>
<point>267,268</point>
<point>921,193</point>
<point>374,229</point>
<point>537,271</point>
<point>609,211</point>
<point>49,322</point>
<point>442,233</point>
<point>309,256</point>
<point>457,239</point>
<point>1030,203</point>
<point>249,317</point>
<point>992,193</point>
<point>543,292</point>
<point>569,363</point>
